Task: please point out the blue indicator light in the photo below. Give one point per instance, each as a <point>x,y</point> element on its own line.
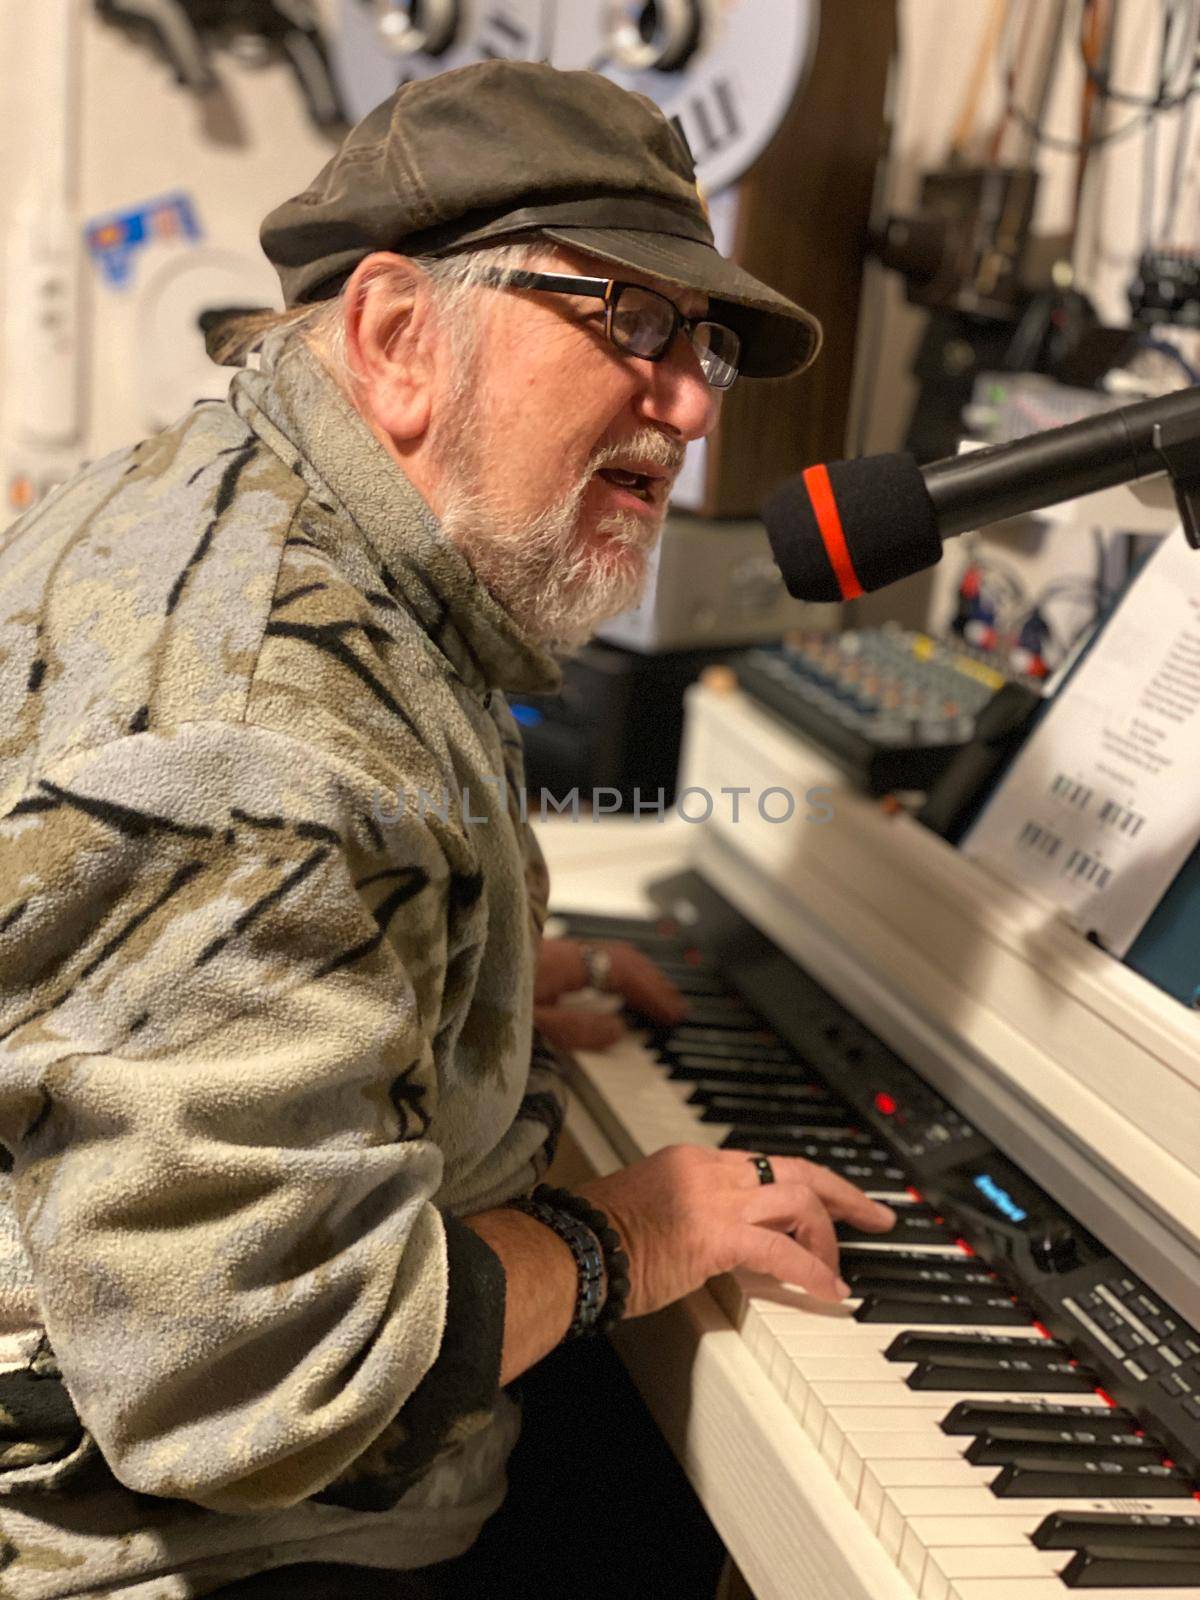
<point>1000,1198</point>
<point>527,716</point>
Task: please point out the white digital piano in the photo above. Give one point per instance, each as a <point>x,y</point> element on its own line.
<point>1009,1406</point>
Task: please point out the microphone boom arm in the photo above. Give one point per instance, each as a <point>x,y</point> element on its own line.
<point>1138,441</point>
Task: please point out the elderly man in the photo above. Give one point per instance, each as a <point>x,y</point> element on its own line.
<point>270,917</point>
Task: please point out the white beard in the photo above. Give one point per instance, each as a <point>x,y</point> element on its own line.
<point>554,585</point>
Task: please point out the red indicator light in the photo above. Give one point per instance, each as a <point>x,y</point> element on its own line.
<point>916,1193</point>
<point>964,1247</point>
<point>885,1104</point>
<point>1045,1332</point>
<point>1107,1398</point>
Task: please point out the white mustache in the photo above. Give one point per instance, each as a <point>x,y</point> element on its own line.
<point>648,444</point>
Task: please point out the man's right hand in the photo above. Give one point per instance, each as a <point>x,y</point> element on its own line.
<point>689,1212</point>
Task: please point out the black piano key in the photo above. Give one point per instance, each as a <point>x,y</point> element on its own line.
<point>762,1050</point>
<point>911,1346</point>
<point>728,1018</point>
<point>929,1274</point>
<point>864,1258</point>
<point>633,930</point>
<point>787,1141</point>
<point>743,1113</point>
<point>692,980</point>
<point>1071,1530</point>
<point>879,1180</point>
<point>999,1446</point>
<point>686,958</point>
<point>692,1036</point>
<point>780,1092</point>
<point>914,1225</point>
<point>1088,1480</point>
<point>920,1310</point>
<point>1120,1567</point>
<point>739,1074</point>
<point>1008,1375</point>
<point>977,1416</point>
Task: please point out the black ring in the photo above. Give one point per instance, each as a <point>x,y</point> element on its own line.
<point>766,1173</point>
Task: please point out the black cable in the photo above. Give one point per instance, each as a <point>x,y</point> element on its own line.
<point>1163,100</point>
<point>1164,347</point>
<point>1182,145</point>
<point>1149,183</point>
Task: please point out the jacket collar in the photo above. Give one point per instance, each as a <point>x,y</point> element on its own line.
<point>292,401</point>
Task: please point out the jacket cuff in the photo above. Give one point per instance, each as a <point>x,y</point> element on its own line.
<point>458,1394</point>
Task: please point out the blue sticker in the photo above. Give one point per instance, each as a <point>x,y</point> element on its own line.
<point>113,240</point>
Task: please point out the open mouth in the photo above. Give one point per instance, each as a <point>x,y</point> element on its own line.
<point>638,483</point>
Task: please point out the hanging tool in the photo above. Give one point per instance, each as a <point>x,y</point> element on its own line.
<point>183,31</point>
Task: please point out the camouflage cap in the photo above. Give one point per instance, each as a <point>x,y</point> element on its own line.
<point>490,152</point>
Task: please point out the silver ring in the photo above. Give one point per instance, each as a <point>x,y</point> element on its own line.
<point>597,962</point>
<point>766,1172</point>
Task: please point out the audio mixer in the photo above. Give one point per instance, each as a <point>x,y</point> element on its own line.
<point>890,706</point>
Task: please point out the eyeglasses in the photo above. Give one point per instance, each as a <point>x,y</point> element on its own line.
<point>640,321</point>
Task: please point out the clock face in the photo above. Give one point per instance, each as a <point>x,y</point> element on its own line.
<point>727,69</point>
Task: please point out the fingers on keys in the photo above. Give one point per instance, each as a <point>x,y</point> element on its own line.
<point>644,987</point>
<point>779,1256</point>
<point>843,1200</point>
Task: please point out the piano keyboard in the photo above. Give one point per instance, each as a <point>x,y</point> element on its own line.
<point>1011,1411</point>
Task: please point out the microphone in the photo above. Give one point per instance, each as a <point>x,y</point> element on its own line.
<point>847,527</point>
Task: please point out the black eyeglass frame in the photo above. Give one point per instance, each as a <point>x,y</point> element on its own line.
<point>609,290</point>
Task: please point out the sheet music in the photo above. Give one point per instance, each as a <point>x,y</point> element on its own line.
<point>1102,806</point>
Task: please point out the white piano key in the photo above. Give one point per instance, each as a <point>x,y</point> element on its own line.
<point>892,1419</point>
<point>825,1395</point>
<point>1052,1589</point>
<point>904,1506</point>
<point>946,1567</point>
<point>880,1479</point>
<point>860,1448</point>
<point>926,1538</point>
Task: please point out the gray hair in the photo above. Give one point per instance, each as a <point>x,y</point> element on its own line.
<point>322,327</point>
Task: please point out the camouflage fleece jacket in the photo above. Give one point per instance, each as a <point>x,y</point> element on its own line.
<point>265,1009</point>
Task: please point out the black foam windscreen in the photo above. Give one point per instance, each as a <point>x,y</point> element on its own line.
<point>886,515</point>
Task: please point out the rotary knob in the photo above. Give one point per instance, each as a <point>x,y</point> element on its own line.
<point>1055,1249</point>
<point>654,35</point>
<point>409,27</point>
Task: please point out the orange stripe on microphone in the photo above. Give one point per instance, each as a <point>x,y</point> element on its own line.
<point>829,525</point>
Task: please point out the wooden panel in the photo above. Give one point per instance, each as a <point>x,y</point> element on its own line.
<point>802,226</point>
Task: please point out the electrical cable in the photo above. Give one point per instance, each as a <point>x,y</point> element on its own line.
<point>1163,347</point>
<point>1165,98</point>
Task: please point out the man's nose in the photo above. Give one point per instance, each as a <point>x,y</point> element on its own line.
<point>676,396</point>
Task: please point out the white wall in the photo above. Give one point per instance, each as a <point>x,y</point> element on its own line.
<point>138,137</point>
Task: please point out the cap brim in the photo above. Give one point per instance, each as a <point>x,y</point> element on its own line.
<point>779,338</point>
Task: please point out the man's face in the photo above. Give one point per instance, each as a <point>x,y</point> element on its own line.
<point>535,441</point>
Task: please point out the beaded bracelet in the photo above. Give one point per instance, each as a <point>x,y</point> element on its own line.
<point>589,1262</point>
<point>616,1262</point>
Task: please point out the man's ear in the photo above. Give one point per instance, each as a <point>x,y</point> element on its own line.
<point>389,342</point>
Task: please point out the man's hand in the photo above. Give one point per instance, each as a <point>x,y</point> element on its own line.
<point>687,1213</point>
<point>683,1215</point>
<point>561,970</point>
